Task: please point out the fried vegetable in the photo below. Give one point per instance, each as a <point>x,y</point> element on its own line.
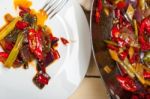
<point>130,11</point>
<point>14,52</point>
<point>4,32</point>
<point>115,57</point>
<point>127,83</point>
<point>35,43</point>
<point>135,27</point>
<point>111,42</point>
<point>141,4</point>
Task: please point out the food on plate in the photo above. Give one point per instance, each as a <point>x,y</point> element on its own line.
<point>129,42</point>
<point>26,38</point>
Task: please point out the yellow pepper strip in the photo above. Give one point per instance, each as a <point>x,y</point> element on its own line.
<point>130,11</point>
<point>141,4</point>
<point>147,82</point>
<point>131,52</point>
<point>139,70</point>
<point>14,52</point>
<point>135,27</point>
<point>4,32</point>
<point>115,57</point>
<point>141,79</point>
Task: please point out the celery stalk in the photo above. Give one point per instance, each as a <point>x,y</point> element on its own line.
<point>111,42</point>
<point>14,52</point>
<point>4,32</point>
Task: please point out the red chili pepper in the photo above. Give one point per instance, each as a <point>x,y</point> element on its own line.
<point>146,75</point>
<point>145,45</point>
<point>21,25</point>
<point>98,11</point>
<point>121,42</point>
<point>123,55</point>
<point>117,13</point>
<point>23,11</point>
<point>55,54</point>
<point>97,16</point>
<point>113,47</point>
<point>121,5</point>
<point>3,56</point>
<point>145,26</point>
<point>115,32</point>
<point>42,78</point>
<point>127,83</point>
<point>64,41</point>
<point>132,60</point>
<point>119,16</point>
<point>7,45</point>
<point>35,43</point>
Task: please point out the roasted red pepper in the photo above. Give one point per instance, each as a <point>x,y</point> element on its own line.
<point>134,58</point>
<point>121,4</point>
<point>119,16</point>
<point>146,75</point>
<point>98,11</point>
<point>64,41</point>
<point>144,27</point>
<point>145,45</point>
<point>115,32</point>
<point>121,42</point>
<point>109,46</point>
<point>3,56</point>
<point>55,54</point>
<point>23,10</point>
<point>35,43</point>
<point>22,25</point>
<point>123,55</point>
<point>41,79</point>
<point>127,83</point>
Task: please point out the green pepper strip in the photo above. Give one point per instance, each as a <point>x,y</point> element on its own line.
<point>4,32</point>
<point>14,52</point>
<point>111,42</point>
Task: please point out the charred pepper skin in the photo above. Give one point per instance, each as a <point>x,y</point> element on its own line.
<point>127,83</point>
<point>35,43</point>
<point>41,79</point>
<point>144,28</point>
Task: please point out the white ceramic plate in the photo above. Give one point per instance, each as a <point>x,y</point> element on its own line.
<point>67,72</point>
